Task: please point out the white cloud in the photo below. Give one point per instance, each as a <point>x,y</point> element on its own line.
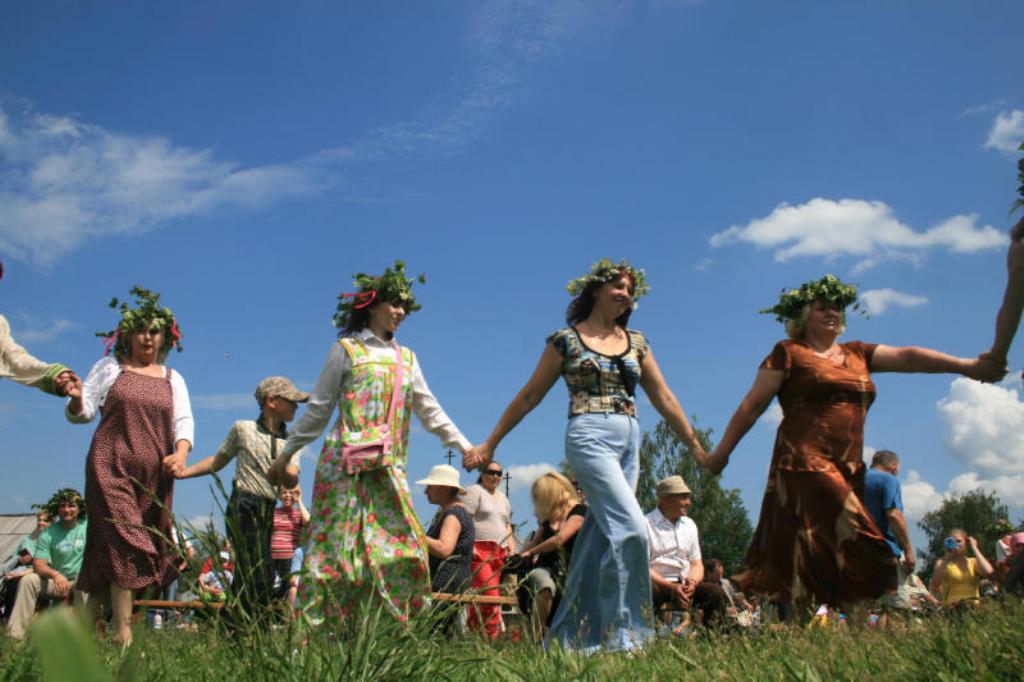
<point>224,401</point>
<point>983,108</point>
<point>772,417</point>
<point>39,332</point>
<point>919,496</point>
<point>523,476</point>
<point>869,452</point>
<point>1007,131</point>
<point>866,230</point>
<point>984,425</point>
<point>1009,488</point>
<point>877,301</point>
<point>63,181</point>
<point>704,265</point>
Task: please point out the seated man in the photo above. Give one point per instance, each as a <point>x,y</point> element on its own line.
<point>677,572</point>
<point>57,560</point>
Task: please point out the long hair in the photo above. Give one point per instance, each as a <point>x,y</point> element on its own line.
<point>580,307</point>
<point>552,494</point>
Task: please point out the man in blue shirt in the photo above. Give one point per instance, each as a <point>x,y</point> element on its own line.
<point>883,498</point>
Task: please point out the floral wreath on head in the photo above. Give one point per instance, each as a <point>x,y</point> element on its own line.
<point>829,288</point>
<point>147,310</point>
<point>606,271</point>
<point>393,286</point>
<point>63,495</point>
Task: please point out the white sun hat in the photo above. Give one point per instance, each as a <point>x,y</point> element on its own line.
<point>443,474</point>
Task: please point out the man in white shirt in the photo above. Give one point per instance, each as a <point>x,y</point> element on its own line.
<point>677,570</point>
<point>676,566</point>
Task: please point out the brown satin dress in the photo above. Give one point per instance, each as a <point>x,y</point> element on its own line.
<point>815,540</point>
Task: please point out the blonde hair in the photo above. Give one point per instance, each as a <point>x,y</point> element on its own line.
<point>552,495</point>
<point>795,327</point>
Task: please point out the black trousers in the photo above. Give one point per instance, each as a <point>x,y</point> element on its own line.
<point>250,522</point>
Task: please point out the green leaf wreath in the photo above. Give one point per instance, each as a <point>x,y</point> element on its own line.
<point>393,286</point>
<point>829,288</point>
<point>62,495</point>
<point>604,271</point>
<point>147,310</point>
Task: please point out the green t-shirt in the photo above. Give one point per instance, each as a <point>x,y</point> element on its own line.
<point>63,548</point>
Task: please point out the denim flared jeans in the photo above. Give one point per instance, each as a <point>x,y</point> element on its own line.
<point>607,597</point>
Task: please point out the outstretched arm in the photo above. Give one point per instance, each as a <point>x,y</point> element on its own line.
<point>665,402</point>
<point>544,377</point>
<point>1008,318</point>
<point>758,398</point>
<point>916,359</point>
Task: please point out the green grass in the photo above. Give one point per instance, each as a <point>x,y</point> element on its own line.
<point>986,645</point>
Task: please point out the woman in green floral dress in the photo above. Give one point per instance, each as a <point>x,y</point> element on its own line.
<point>365,538</point>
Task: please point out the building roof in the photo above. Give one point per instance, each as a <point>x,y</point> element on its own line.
<point>13,527</point>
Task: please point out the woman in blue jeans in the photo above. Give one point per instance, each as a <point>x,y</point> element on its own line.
<point>607,599</point>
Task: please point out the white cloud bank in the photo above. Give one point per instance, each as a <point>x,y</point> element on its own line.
<point>1007,131</point>
<point>984,430</point>
<point>867,230</point>
<point>877,301</point>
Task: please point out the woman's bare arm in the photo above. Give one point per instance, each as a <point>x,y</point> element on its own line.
<point>766,386</point>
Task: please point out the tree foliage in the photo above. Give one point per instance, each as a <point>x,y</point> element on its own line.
<point>977,512</point>
<point>721,518</point>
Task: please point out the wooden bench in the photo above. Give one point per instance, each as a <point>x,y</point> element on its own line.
<point>438,596</point>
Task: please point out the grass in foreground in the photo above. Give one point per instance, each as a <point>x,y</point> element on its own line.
<point>985,645</point>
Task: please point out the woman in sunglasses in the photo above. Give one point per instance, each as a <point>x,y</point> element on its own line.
<point>607,599</point>
<point>492,515</point>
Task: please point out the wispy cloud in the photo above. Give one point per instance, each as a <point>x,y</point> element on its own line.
<point>1007,131</point>
<point>865,230</point>
<point>986,108</point>
<point>36,331</point>
<point>877,301</point>
<point>63,181</point>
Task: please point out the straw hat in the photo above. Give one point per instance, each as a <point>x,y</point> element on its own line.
<point>443,474</point>
<point>673,485</point>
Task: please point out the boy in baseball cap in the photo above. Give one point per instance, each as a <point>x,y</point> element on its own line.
<point>250,513</point>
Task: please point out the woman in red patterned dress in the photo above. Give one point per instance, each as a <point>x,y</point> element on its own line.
<point>142,441</point>
<point>815,541</point>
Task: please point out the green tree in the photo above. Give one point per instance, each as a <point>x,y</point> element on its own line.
<point>719,513</point>
<point>977,512</point>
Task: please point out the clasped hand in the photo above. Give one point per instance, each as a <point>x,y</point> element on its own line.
<point>477,456</point>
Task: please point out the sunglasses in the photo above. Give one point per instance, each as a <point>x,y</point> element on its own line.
<point>492,472</point>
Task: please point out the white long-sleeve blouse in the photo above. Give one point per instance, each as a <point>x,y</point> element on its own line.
<point>324,398</point>
<point>102,376</point>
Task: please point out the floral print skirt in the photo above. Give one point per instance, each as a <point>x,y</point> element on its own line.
<point>366,545</point>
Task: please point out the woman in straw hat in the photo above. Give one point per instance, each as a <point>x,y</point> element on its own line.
<point>365,537</point>
<point>450,536</point>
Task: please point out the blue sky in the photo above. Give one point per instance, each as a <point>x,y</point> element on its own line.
<point>245,158</point>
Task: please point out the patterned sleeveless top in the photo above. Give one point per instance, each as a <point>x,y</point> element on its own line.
<point>598,382</point>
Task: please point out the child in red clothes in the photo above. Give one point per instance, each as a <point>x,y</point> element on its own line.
<point>290,519</point>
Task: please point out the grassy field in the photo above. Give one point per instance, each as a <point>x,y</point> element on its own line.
<point>986,646</point>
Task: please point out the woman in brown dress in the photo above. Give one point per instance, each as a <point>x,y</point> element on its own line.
<point>815,541</point>
<point>142,441</point>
